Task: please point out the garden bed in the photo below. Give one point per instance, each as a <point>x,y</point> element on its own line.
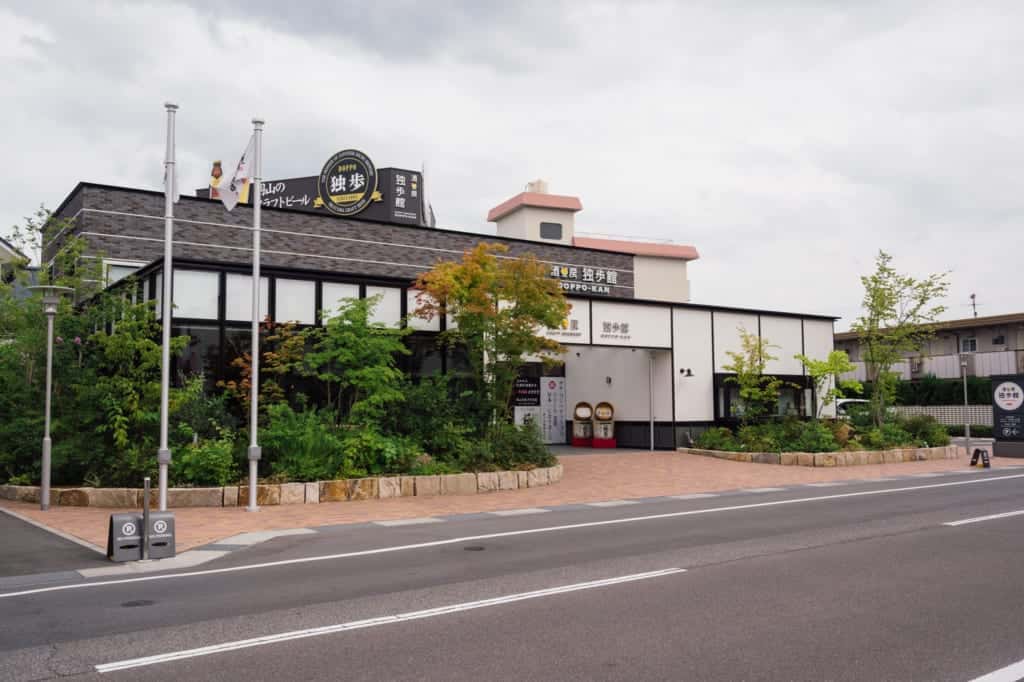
<point>833,459</point>
<point>314,492</point>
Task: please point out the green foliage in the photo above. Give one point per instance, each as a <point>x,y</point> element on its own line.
<point>718,438</point>
<point>372,452</point>
<point>197,415</point>
<point>930,390</point>
<point>302,446</point>
<point>828,386</point>
<point>436,415</point>
<point>759,392</point>
<point>511,447</point>
<point>207,462</point>
<point>977,430</point>
<point>500,305</point>
<point>925,430</point>
<point>356,359</point>
<point>897,318</point>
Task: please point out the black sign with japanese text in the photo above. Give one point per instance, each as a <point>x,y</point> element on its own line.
<point>583,279</point>
<point>1008,407</point>
<point>526,392</point>
<point>348,183</point>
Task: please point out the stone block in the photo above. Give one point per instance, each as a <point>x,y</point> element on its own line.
<point>892,456</point>
<point>312,492</point>
<point>788,459</point>
<point>765,457</point>
<point>293,493</point>
<point>140,494</point>
<point>507,480</point>
<point>875,457</point>
<point>363,488</point>
<point>268,495</point>
<point>487,482</point>
<point>862,458</point>
<point>522,478</point>
<point>333,491</point>
<point>427,485</point>
<point>111,497</point>
<point>555,473</point>
<point>178,498</point>
<point>824,459</point>
<point>458,484</point>
<point>536,478</point>
<point>389,486</point>
<point>230,498</point>
<point>70,497</point>
<point>408,484</point>
<point>805,459</point>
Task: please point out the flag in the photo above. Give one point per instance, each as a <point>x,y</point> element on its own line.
<point>230,190</point>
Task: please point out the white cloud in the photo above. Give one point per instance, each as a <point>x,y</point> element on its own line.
<point>788,141</point>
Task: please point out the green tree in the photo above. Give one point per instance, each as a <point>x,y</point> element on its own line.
<point>826,375</point>
<point>357,361</point>
<point>499,305</point>
<point>898,315</point>
<point>759,392</point>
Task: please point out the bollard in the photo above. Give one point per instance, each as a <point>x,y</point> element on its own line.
<point>145,518</point>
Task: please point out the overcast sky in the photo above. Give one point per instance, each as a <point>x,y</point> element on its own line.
<point>787,141</point>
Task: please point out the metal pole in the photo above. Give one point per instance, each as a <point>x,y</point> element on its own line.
<point>967,425</point>
<point>145,518</point>
<point>44,492</point>
<point>650,393</point>
<point>163,454</point>
<point>254,448</point>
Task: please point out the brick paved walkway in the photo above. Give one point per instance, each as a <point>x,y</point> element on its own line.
<point>588,478</point>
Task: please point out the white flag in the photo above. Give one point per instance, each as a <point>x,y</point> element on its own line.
<point>230,189</point>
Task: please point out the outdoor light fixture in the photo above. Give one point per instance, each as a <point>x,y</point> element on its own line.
<point>967,424</point>
<point>686,372</point>
<point>51,298</point>
<point>608,380</point>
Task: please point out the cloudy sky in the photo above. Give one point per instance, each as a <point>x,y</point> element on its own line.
<point>787,140</point>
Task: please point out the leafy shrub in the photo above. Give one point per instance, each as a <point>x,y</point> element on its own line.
<point>304,446</point>
<point>207,462</point>
<point>432,416</point>
<point>367,451</point>
<point>925,430</point>
<point>814,436</point>
<point>509,447</point>
<point>890,435</point>
<point>717,438</point>
<point>977,430</point>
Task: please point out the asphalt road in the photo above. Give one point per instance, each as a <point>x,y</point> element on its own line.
<point>853,582</point>
<point>27,549</point>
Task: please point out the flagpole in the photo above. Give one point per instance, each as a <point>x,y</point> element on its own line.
<point>254,448</point>
<point>163,454</point>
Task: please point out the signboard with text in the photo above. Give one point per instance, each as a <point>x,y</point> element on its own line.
<point>575,328</point>
<point>1008,407</point>
<point>624,324</point>
<point>585,280</point>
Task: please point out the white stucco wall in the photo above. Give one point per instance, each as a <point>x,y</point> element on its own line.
<point>727,336</point>
<point>784,332</point>
<point>524,223</point>
<point>660,279</point>
<point>694,395</point>
<point>818,343</point>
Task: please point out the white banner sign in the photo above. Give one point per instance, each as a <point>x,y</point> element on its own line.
<point>552,406</point>
<point>625,324</point>
<point>575,327</point>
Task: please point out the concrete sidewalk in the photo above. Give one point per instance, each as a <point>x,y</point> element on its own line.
<point>593,478</point>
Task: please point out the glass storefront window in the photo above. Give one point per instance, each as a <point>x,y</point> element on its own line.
<point>418,323</point>
<point>238,297</point>
<point>425,357</point>
<point>389,308</point>
<point>296,301</point>
<point>196,294</point>
<point>201,355</point>
<point>334,293</point>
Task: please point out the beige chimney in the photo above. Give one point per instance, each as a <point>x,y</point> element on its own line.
<point>537,215</point>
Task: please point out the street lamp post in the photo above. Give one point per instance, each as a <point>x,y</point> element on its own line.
<point>51,298</point>
<point>967,421</point>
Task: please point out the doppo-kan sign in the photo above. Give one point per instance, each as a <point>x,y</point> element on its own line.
<point>1008,407</point>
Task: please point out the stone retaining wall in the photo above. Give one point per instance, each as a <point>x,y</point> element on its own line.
<point>834,459</point>
<point>297,493</point>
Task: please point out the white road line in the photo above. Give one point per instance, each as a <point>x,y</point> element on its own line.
<point>409,522</point>
<point>1011,673</point>
<point>828,484</point>
<point>259,536</point>
<point>611,503</point>
<point>694,496</point>
<point>374,622</point>
<point>513,533</point>
<point>519,512</point>
<point>761,490</point>
<point>979,519</point>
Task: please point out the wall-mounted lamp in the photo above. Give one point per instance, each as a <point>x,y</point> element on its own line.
<point>686,372</point>
<point>608,380</point>
<point>578,354</point>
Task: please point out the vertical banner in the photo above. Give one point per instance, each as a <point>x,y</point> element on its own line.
<point>552,406</point>
<point>526,401</point>
<point>1008,407</point>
